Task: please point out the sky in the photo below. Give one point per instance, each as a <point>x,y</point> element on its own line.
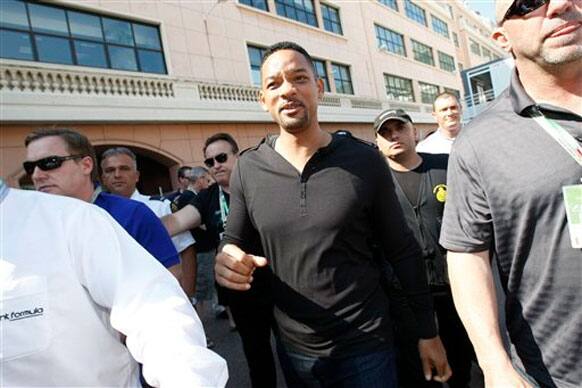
<point>484,7</point>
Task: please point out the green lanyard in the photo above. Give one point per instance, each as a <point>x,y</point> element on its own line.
<point>223,207</point>
<point>559,134</point>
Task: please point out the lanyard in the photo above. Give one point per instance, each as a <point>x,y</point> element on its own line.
<point>223,206</point>
<point>3,190</point>
<point>559,134</point>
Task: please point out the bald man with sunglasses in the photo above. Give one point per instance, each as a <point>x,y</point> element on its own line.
<point>515,194</point>
<point>252,311</point>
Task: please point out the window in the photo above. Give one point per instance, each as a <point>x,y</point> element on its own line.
<point>428,92</point>
<point>331,19</point>
<point>454,91</point>
<point>486,53</point>
<point>415,13</point>
<point>390,40</point>
<point>390,3</point>
<point>300,10</point>
<point>475,48</point>
<point>399,89</point>
<point>456,39</point>
<point>321,71</point>
<point>260,4</point>
<point>342,79</point>
<point>422,52</point>
<point>46,33</point>
<point>440,27</point>
<point>446,62</point>
<point>255,59</point>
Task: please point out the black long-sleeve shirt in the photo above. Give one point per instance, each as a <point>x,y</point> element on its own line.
<point>317,229</point>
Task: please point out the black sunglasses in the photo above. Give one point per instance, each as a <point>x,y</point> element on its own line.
<point>48,163</point>
<point>523,7</point>
<point>220,158</point>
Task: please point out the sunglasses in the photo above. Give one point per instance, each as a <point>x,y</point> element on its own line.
<point>220,158</point>
<point>523,7</point>
<point>48,163</point>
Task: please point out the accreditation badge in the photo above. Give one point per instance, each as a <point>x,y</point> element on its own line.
<point>573,203</point>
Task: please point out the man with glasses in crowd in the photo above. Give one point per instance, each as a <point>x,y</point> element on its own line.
<point>63,162</point>
<point>515,192</point>
<point>252,312</point>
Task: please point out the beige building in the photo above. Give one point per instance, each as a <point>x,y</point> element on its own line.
<point>161,76</point>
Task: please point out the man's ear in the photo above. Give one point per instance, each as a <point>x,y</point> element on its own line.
<point>500,36</point>
<point>87,164</point>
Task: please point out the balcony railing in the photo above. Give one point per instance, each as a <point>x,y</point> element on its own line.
<point>46,80</point>
<point>28,92</point>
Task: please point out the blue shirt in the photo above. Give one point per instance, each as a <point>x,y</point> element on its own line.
<point>142,224</point>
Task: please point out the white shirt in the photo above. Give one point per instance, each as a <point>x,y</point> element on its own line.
<point>435,143</point>
<point>162,208</point>
<point>72,280</point>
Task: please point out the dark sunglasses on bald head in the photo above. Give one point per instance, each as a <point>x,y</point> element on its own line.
<point>220,158</point>
<point>48,163</point>
<point>523,7</point>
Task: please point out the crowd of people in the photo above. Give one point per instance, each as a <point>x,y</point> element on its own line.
<point>370,264</point>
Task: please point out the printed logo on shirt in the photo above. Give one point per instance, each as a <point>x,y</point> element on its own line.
<point>22,314</point>
<point>440,192</point>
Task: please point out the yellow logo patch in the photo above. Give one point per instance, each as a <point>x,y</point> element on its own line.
<point>440,192</point>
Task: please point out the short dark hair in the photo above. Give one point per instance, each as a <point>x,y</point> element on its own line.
<point>445,95</point>
<point>288,46</point>
<point>221,136</point>
<point>182,171</point>
<point>77,144</point>
<point>119,151</point>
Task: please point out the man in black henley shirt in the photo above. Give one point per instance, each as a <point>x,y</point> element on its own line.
<point>318,203</point>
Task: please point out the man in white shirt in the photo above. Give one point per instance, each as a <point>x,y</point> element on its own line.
<point>72,281</point>
<point>120,176</point>
<point>446,109</point>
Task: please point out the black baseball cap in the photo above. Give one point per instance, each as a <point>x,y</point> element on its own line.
<point>391,114</point>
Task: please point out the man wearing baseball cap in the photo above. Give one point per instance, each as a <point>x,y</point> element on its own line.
<point>515,195</point>
<point>421,188</point>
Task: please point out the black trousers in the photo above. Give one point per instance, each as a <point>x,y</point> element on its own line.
<point>253,316</point>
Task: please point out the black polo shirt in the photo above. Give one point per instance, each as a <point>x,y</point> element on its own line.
<point>505,180</point>
<point>317,229</point>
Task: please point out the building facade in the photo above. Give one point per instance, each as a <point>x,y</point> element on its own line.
<point>160,77</point>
